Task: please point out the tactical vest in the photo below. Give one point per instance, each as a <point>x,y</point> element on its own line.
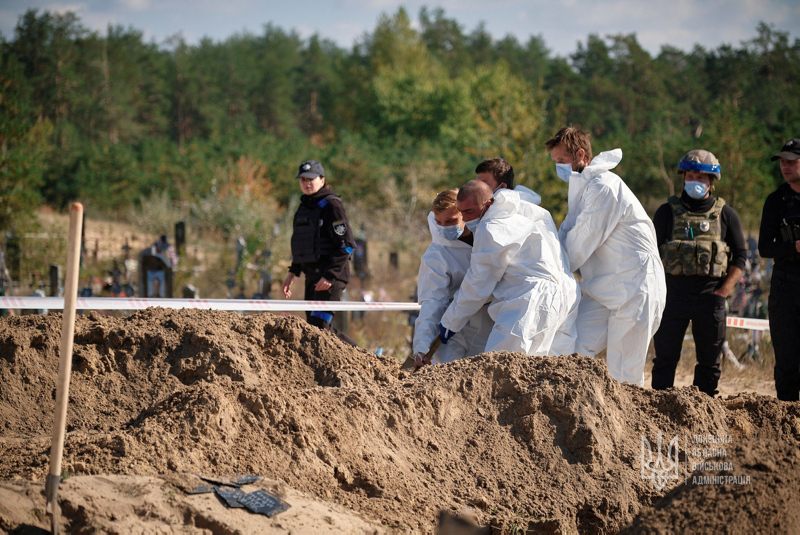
<point>309,240</point>
<point>697,247</point>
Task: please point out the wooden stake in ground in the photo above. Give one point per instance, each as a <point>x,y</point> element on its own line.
<point>64,362</point>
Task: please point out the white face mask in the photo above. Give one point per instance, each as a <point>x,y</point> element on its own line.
<point>472,225</point>
<point>695,190</point>
<point>451,233</point>
<point>564,171</point>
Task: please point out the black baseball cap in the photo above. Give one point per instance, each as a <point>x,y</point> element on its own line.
<point>789,151</point>
<point>310,169</point>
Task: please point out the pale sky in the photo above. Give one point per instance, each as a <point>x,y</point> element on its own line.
<point>562,24</point>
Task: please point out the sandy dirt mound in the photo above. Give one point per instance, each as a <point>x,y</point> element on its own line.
<point>544,444</point>
<point>147,504</point>
<point>743,487</point>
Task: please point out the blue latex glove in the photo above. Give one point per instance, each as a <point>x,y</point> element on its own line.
<point>445,334</point>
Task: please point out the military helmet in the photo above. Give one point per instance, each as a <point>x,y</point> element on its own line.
<point>700,160</point>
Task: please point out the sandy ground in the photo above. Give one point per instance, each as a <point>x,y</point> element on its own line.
<point>150,504</point>
<point>730,384</point>
<point>352,443</point>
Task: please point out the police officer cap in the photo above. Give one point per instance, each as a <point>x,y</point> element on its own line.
<point>789,151</point>
<point>702,161</point>
<point>310,169</point>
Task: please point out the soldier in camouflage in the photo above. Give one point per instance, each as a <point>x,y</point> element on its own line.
<point>704,253</point>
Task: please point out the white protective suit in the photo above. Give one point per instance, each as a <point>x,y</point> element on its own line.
<point>612,242</point>
<point>528,194</point>
<point>441,271</point>
<point>519,265</point>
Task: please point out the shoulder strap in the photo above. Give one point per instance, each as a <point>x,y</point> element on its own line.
<point>716,210</point>
<point>677,206</point>
<point>326,200</point>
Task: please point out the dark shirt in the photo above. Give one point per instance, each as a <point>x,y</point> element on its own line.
<point>783,203</point>
<point>334,266</point>
<point>732,234</point>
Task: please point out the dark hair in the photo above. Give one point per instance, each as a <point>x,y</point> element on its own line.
<point>500,169</point>
<point>573,139</point>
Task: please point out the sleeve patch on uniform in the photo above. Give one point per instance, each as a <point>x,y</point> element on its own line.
<point>339,227</point>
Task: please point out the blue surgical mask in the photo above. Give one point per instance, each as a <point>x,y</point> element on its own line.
<point>472,225</point>
<point>695,190</point>
<point>451,233</point>
<point>564,171</point>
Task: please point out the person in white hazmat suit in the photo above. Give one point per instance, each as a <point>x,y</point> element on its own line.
<point>518,264</point>
<point>498,174</point>
<point>441,271</point>
<point>612,242</point>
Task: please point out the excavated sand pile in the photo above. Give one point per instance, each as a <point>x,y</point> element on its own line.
<point>544,444</point>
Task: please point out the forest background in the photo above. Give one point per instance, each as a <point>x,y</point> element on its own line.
<point>212,133</point>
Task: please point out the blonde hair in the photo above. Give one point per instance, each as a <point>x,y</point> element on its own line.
<point>573,139</point>
<point>444,201</point>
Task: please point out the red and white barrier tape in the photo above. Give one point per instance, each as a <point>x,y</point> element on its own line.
<point>253,305</point>
<point>241,305</point>
<point>752,324</point>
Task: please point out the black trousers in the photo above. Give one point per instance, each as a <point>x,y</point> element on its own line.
<point>318,318</point>
<point>784,328</point>
<point>324,319</point>
<point>707,314</point>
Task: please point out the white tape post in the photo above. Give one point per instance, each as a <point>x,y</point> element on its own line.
<point>241,305</point>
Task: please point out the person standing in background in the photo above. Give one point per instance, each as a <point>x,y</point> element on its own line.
<point>779,238</point>
<point>704,254</point>
<point>322,243</point>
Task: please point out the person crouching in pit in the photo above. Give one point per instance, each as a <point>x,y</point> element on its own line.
<point>441,270</point>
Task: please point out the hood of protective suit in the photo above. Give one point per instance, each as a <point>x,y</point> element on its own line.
<point>508,203</point>
<point>605,161</point>
<point>528,194</point>
<point>513,218</point>
<point>438,239</point>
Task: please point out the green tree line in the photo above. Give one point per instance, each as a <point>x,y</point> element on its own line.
<point>113,120</point>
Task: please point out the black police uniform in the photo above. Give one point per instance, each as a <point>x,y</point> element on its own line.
<point>691,298</point>
<point>780,228</point>
<point>322,243</point>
